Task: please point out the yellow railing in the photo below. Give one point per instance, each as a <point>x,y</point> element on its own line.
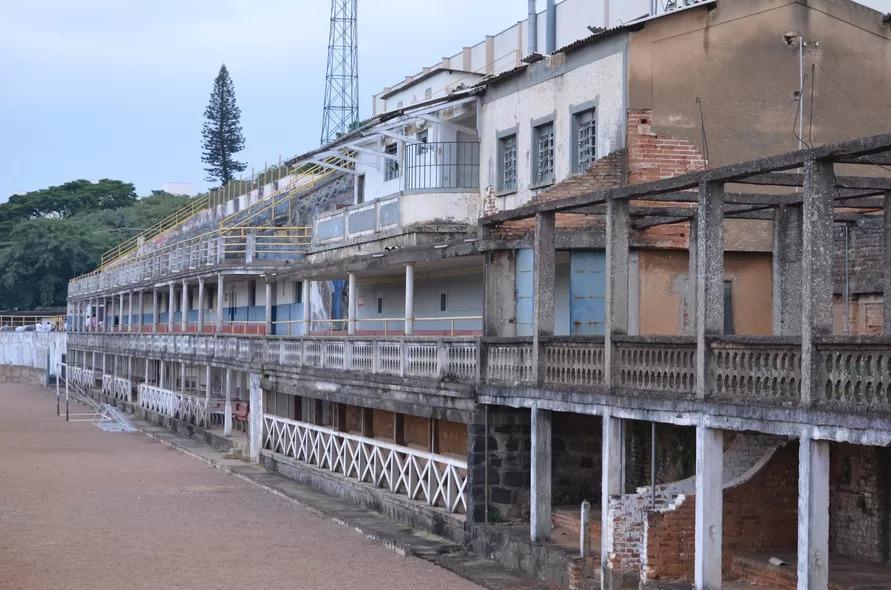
<point>174,219</point>
<point>307,178</point>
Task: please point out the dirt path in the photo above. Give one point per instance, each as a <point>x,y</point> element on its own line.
<point>81,508</point>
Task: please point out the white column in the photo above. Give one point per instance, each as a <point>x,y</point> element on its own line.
<point>612,478</point>
<point>162,376</point>
<point>185,307</point>
<point>709,510</point>
<point>409,299</point>
<point>200,327</point>
<point>154,309</point>
<point>121,312</point>
<point>171,297</point>
<point>208,385</point>
<point>141,308</point>
<point>227,416</point>
<point>267,318</point>
<point>130,378</point>
<point>130,311</point>
<point>351,304</point>
<point>813,514</point>
<point>307,308</point>
<point>540,484</point>
<point>219,303</point>
<point>147,363</point>
<point>182,377</point>
<point>255,417</point>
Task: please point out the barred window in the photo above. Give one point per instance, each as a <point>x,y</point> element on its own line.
<point>508,163</point>
<point>544,154</point>
<point>392,169</point>
<point>586,139</point>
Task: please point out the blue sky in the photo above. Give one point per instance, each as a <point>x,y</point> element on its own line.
<point>110,88</point>
<point>105,88</point>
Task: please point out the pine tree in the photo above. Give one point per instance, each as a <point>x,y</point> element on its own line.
<point>221,134</point>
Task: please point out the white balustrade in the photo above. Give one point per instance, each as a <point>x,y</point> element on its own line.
<point>173,404</point>
<point>117,387</point>
<point>434,479</point>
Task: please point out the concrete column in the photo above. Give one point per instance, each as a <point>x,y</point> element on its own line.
<point>130,311</point>
<point>255,417</point>
<point>709,277</point>
<point>612,482</point>
<point>543,281</point>
<point>409,299</point>
<point>162,376</point>
<point>307,308</point>
<point>540,484</point>
<point>185,307</point>
<point>816,271</point>
<point>208,388</point>
<point>121,312</point>
<point>227,416</point>
<point>709,507</point>
<point>351,304</point>
<point>104,363</point>
<point>146,379</point>
<point>617,238</point>
<point>200,327</point>
<point>689,323</point>
<point>500,294</point>
<point>267,318</point>
<point>154,309</point>
<point>130,378</point>
<point>886,277</point>
<point>182,377</point>
<point>171,297</point>
<point>787,241</point>
<point>813,514</point>
<point>219,303</point>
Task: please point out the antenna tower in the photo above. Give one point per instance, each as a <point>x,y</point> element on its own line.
<point>342,74</point>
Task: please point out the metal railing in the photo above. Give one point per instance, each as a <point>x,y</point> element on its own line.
<point>434,479</point>
<point>442,165</point>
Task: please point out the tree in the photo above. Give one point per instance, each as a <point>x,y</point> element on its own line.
<point>221,134</point>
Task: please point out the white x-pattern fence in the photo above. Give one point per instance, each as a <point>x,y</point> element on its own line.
<point>117,387</point>
<point>173,404</point>
<point>86,378</point>
<point>435,479</point>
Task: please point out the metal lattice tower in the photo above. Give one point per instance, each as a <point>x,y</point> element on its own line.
<point>342,75</point>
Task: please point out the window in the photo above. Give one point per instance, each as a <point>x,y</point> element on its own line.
<point>507,163</point>
<point>543,148</point>
<point>728,307</point>
<point>392,169</point>
<point>422,137</point>
<point>360,189</point>
<point>443,301</point>
<point>252,293</point>
<point>428,92</point>
<point>298,292</point>
<point>585,137</point>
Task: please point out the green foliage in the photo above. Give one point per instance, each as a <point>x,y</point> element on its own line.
<point>221,134</point>
<point>51,235</point>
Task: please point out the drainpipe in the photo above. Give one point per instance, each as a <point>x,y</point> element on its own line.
<point>532,30</point>
<point>551,32</point>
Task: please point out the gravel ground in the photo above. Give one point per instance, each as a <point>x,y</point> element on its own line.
<point>81,508</point>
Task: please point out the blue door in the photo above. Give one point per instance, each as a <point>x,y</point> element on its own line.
<point>524,292</point>
<point>587,289</point>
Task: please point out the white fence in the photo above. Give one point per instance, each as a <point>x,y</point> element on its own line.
<point>117,387</point>
<point>435,479</point>
<point>42,350</point>
<point>173,404</point>
<point>86,378</point>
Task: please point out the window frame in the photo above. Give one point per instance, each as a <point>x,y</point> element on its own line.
<point>392,169</point>
<point>575,113</point>
<point>501,138</point>
<point>536,126</point>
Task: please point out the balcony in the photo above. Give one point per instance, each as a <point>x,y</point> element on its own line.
<point>228,245</point>
<point>440,186</point>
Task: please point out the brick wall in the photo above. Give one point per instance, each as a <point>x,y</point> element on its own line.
<point>651,157</point>
<point>858,517</point>
<point>758,514</point>
<point>865,258</point>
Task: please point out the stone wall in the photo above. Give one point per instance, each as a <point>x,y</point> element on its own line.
<point>575,459</point>
<point>675,453</point>
<point>858,513</point>
<point>865,241</point>
<point>509,452</point>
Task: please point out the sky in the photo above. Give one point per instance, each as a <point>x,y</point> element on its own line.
<point>110,89</point>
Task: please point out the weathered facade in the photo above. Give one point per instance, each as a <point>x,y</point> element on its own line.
<point>557,286</point>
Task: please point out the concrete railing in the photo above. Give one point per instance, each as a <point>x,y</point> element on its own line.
<point>453,358</point>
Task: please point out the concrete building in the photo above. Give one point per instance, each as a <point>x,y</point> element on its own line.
<point>556,291</point>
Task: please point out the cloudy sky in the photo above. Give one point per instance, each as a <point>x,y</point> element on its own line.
<point>105,88</point>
